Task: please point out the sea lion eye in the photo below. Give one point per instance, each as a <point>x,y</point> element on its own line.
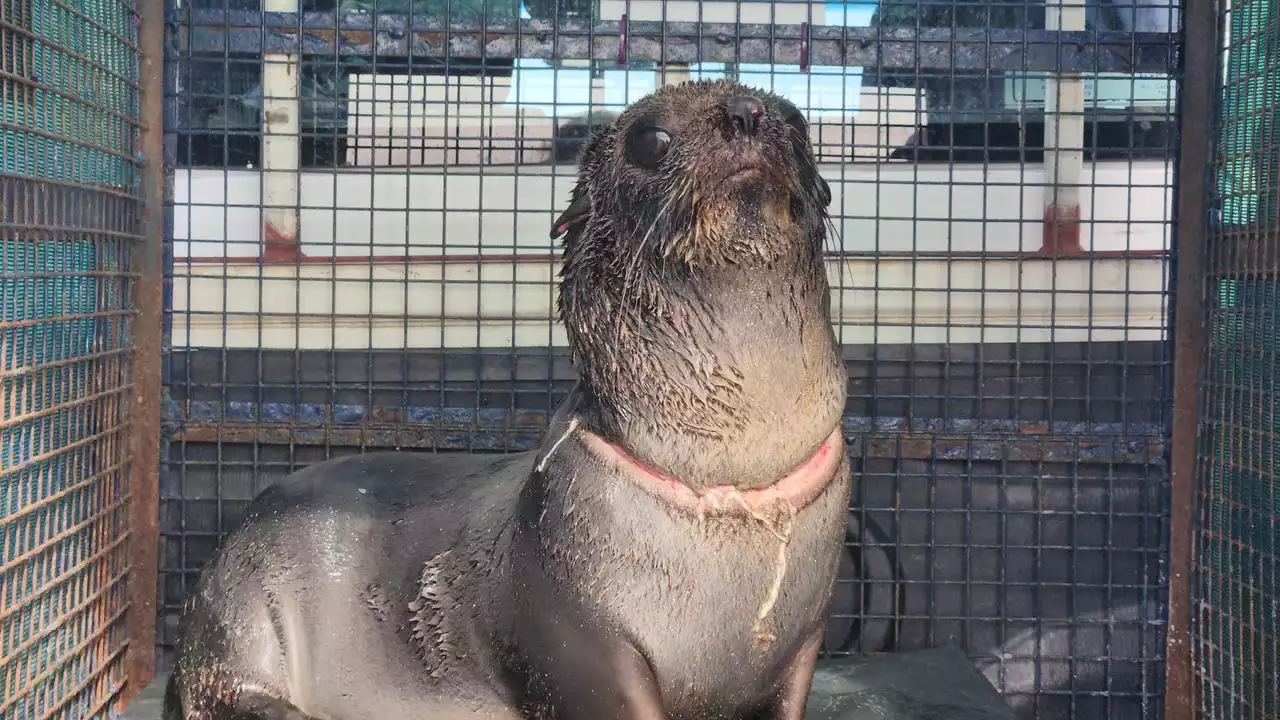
<point>648,145</point>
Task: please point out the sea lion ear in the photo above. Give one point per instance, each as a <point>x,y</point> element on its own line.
<point>824,191</point>
<point>576,213</point>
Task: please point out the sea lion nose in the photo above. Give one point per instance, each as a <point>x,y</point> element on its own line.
<point>745,111</point>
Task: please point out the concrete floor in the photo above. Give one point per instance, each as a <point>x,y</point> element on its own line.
<point>149,703</point>
<point>899,686</point>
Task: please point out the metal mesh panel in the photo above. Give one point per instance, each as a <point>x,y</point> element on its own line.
<point>69,187</point>
<point>1237,589</point>
<point>361,262</point>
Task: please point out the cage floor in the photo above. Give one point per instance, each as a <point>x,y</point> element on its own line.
<point>149,703</point>
<point>897,686</point>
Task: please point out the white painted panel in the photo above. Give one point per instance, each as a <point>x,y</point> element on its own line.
<point>876,207</point>
<point>501,304</point>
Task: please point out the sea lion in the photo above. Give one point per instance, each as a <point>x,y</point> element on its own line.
<point>670,549</point>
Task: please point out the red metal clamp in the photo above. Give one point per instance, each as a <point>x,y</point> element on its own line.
<point>804,47</point>
<point>622,41</point>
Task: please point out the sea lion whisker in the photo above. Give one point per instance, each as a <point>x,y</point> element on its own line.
<point>830,224</point>
<point>635,259</point>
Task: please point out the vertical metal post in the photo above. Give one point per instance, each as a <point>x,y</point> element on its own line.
<point>281,148</point>
<point>144,406</point>
<point>1195,108</point>
<point>1063,140</point>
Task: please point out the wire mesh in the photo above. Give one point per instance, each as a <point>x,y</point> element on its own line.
<point>1236,640</point>
<point>69,188</point>
<point>360,262</point>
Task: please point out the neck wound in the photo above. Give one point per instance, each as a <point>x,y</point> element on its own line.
<point>797,488</point>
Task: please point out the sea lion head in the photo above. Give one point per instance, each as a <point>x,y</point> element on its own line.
<point>707,173</point>
<point>693,289</point>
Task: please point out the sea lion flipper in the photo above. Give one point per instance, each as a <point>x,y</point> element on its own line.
<point>576,213</point>
<point>244,703</point>
<point>615,682</point>
<point>260,706</point>
<point>789,702</point>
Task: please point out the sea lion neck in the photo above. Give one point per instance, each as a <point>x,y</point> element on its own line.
<point>722,377</point>
<point>792,492</point>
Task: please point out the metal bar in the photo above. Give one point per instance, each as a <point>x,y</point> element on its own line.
<point>11,422</point>
<point>67,95</point>
<point>1195,108</point>
<point>31,188</point>
<point>100,29</point>
<point>311,416</point>
<point>357,35</point>
<point>281,148</point>
<point>48,135</point>
<point>58,664</point>
<point>56,623</point>
<point>45,367</point>
<point>45,233</point>
<point>65,578</point>
<point>50,275</point>
<point>1254,253</point>
<point>1009,418</point>
<point>96,521</point>
<point>28,34</point>
<point>1029,256</point>
<point>148,257</point>
<point>517,438</point>
<point>14,469</point>
<point>35,322</point>
<point>1063,140</point>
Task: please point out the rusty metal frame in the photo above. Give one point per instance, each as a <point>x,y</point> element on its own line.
<point>307,33</point>
<point>1084,449</point>
<point>148,259</point>
<point>277,428</point>
<point>1196,103</point>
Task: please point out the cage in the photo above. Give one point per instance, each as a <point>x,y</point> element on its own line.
<point>73,245</point>
<point>378,275</point>
<point>242,238</point>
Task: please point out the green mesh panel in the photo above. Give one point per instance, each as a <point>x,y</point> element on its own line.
<point>94,144</point>
<point>1239,588</point>
<point>1249,135</point>
<point>63,600</point>
<point>1236,581</point>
